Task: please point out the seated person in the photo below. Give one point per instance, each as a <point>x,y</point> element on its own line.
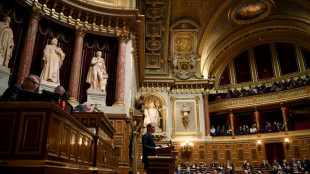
<point>62,92</point>
<point>59,90</point>
<point>30,83</point>
<point>212,131</point>
<point>284,164</point>
<point>179,170</point>
<point>213,165</point>
<point>193,165</point>
<point>82,108</point>
<point>265,164</point>
<point>203,165</point>
<point>253,129</point>
<point>188,171</point>
<point>229,168</point>
<point>182,165</point>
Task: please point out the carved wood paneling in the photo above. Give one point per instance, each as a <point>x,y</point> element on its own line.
<point>54,139</point>
<point>73,144</point>
<point>119,126</point>
<point>50,134</point>
<point>227,155</point>
<point>31,132</point>
<point>254,154</point>
<point>65,142</point>
<point>296,151</point>
<point>7,124</point>
<point>215,155</point>
<point>240,155</point>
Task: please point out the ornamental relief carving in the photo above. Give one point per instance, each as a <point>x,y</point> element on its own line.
<point>184,45</point>
<point>153,29</point>
<point>152,60</point>
<point>154,1</point>
<point>153,13</point>
<point>184,66</point>
<point>153,45</point>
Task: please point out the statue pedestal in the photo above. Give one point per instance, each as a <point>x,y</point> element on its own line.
<point>96,97</point>
<point>4,78</point>
<point>48,86</point>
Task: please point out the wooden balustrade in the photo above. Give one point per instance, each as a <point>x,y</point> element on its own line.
<point>39,137</point>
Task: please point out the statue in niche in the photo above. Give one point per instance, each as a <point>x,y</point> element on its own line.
<point>6,42</point>
<point>97,76</point>
<point>152,115</point>
<point>52,61</point>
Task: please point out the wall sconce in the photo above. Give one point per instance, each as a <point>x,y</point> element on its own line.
<point>259,143</point>
<point>287,143</point>
<point>187,149</point>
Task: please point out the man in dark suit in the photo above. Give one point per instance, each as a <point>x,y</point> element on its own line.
<point>82,108</point>
<point>213,165</point>
<point>30,83</point>
<point>148,144</point>
<point>265,164</point>
<point>284,164</point>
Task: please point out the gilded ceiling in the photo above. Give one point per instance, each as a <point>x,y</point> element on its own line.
<point>111,3</point>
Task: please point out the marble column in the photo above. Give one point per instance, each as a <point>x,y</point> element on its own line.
<point>206,113</point>
<point>283,109</point>
<point>257,119</point>
<point>123,38</point>
<point>28,45</point>
<point>74,81</point>
<point>231,115</point>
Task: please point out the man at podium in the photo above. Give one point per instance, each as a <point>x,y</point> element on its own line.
<point>148,143</point>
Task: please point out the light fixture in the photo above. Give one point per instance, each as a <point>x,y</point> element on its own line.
<point>259,143</point>
<point>287,143</point>
<point>186,149</point>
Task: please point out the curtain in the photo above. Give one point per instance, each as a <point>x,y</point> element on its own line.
<point>108,47</point>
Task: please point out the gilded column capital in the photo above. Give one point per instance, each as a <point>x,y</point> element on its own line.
<point>206,94</point>
<point>37,13</point>
<point>80,30</point>
<point>124,37</point>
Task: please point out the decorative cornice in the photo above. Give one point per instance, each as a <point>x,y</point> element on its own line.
<point>37,13</point>
<point>124,37</point>
<point>80,30</point>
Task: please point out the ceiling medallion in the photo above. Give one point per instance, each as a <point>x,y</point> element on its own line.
<point>249,11</point>
<point>184,66</point>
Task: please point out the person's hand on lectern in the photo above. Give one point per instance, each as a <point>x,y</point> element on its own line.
<point>164,146</point>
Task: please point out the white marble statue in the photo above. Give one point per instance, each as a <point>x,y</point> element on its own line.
<point>52,61</point>
<point>6,42</point>
<point>152,115</point>
<point>97,76</point>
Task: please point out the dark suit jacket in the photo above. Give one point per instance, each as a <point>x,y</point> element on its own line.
<point>213,165</point>
<point>79,108</point>
<point>266,165</point>
<point>11,93</point>
<point>148,146</point>
<point>284,165</point>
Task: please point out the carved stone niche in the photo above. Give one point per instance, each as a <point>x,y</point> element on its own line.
<point>183,45</point>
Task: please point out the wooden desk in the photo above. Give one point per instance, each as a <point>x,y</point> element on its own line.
<point>163,164</point>
<point>40,137</point>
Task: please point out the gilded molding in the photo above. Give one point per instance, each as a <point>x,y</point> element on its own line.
<point>195,133</point>
<point>80,30</point>
<point>261,100</point>
<point>37,13</point>
<point>124,37</point>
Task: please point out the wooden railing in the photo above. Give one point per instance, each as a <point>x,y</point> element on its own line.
<point>40,136</point>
